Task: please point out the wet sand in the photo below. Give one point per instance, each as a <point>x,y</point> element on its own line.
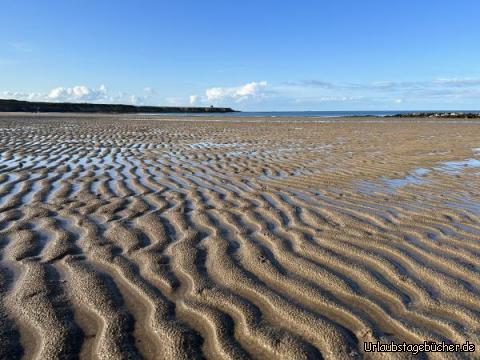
<point>175,238</point>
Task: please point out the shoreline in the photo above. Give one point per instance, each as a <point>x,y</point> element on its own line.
<point>245,116</point>
<point>189,118</point>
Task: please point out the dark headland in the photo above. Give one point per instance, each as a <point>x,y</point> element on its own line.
<point>46,107</point>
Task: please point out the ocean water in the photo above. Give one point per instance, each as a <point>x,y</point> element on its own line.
<point>307,114</point>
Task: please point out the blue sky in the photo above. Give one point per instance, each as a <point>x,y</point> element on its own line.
<point>250,55</point>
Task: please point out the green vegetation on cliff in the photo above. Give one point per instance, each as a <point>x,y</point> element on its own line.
<point>27,106</point>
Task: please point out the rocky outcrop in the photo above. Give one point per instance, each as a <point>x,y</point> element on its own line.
<point>442,114</point>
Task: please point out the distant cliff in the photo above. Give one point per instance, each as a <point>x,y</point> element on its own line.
<point>27,106</point>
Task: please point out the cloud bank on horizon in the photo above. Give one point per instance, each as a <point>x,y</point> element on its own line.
<point>260,94</point>
<point>79,94</point>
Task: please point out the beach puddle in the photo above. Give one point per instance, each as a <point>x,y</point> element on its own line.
<point>465,203</point>
<point>390,185</point>
<point>10,189</point>
<point>369,187</point>
<point>467,228</point>
<point>417,176</point>
<point>212,145</point>
<point>235,153</point>
<point>455,167</point>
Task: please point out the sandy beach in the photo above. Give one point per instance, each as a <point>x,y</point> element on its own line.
<point>162,237</point>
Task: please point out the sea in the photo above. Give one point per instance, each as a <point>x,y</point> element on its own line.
<point>306,114</point>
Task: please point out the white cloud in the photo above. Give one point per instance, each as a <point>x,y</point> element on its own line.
<point>193,99</point>
<point>260,94</point>
<point>239,93</point>
<point>217,95</point>
<point>18,95</point>
<point>79,93</point>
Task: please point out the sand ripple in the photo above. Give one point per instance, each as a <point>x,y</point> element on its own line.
<point>178,239</point>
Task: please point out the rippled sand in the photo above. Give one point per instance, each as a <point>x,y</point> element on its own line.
<point>125,237</point>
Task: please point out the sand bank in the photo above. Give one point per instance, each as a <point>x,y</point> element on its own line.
<point>179,238</point>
